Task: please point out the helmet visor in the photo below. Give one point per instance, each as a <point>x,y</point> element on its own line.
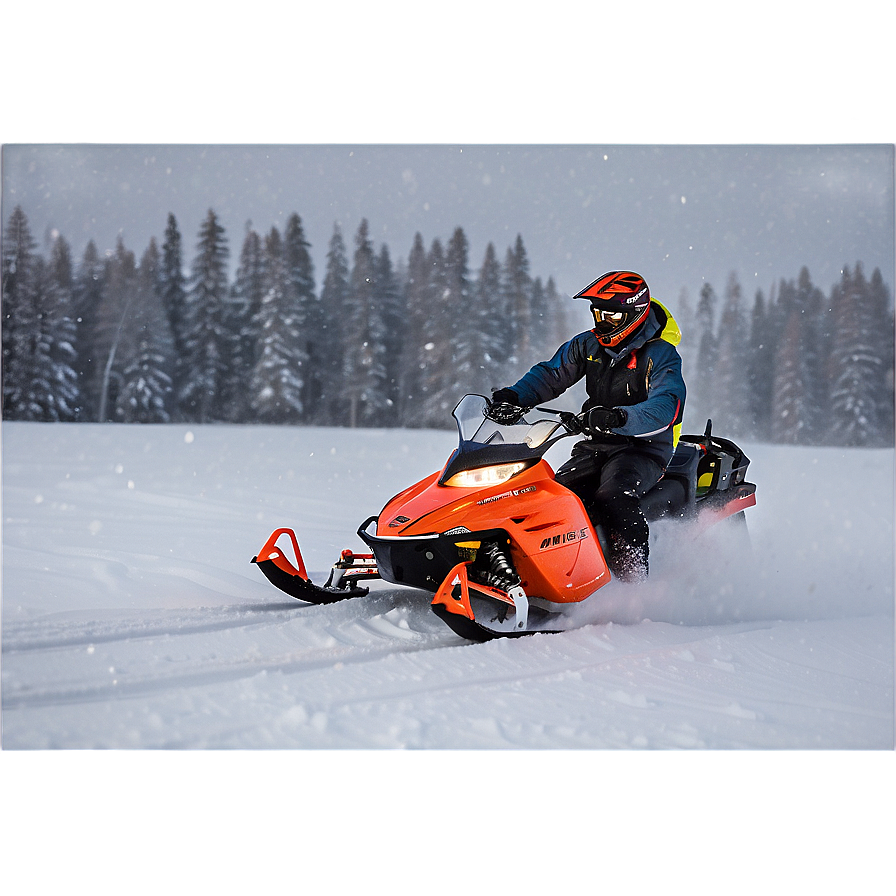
<point>606,322</point>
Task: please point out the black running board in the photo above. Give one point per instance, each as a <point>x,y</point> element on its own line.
<point>302,589</point>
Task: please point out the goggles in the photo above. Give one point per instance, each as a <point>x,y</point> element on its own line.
<point>610,317</point>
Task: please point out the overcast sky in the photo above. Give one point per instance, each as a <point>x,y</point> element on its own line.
<point>682,142</point>
<point>680,215</point>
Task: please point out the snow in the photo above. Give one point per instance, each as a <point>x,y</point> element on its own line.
<point>132,619</point>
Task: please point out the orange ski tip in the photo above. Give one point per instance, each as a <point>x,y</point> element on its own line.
<point>271,552</point>
<point>454,592</point>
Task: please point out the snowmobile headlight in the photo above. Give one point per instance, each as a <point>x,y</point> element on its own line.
<point>482,477</point>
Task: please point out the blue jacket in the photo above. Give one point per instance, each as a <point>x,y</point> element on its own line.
<point>643,376</point>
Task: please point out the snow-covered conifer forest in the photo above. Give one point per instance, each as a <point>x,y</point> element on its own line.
<point>392,340</point>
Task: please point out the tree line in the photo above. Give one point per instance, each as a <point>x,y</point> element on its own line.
<point>798,366</point>
<point>154,341</point>
<point>396,343</point>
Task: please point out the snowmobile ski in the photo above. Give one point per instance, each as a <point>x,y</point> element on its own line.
<point>295,582</point>
<point>472,630</point>
<point>508,612</point>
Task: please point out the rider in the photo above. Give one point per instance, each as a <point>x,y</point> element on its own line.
<point>632,417</point>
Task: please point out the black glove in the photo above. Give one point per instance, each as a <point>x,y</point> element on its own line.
<point>505,396</point>
<point>603,420</point>
<point>504,407</point>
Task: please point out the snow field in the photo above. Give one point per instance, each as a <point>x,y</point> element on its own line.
<point>133,618</point>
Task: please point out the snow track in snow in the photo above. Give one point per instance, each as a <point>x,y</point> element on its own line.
<point>167,650</point>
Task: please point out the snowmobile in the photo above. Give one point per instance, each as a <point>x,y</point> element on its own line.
<point>503,543</point>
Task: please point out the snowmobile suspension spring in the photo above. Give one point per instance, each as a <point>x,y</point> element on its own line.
<point>500,572</point>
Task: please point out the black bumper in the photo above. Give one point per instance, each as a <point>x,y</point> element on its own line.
<point>419,561</point>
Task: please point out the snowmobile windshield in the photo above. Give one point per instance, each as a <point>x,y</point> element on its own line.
<point>485,443</point>
<point>533,430</point>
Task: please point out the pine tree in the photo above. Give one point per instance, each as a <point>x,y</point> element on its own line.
<point>732,363</point>
<point>112,328</point>
<point>463,353</point>
<point>760,372</point>
<point>416,301</point>
<point>491,325</point>
<point>64,398</point>
<point>791,416</point>
<point>540,344</point>
<point>62,269</point>
<point>364,362</point>
<point>825,331</point>
<point>437,337</point>
<point>301,298</point>
<point>702,396</point>
<point>29,382</point>
<point>243,327</point>
<point>391,300</point>
<point>42,383</point>
<point>277,384</point>
<point>879,304</point>
<point>559,328</point>
<point>811,304</point>
<point>334,301</point>
<point>145,393</point>
<point>832,361</point>
<point>858,369</point>
<point>205,341</point>
<point>174,296</point>
<point>171,277</point>
<point>89,286</point>
<point>685,316</point>
<point>518,308</point>
<point>790,397</point>
<point>20,313</point>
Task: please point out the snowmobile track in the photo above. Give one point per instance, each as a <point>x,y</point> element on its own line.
<point>64,632</point>
<point>127,685</point>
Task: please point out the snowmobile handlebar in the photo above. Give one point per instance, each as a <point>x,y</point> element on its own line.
<point>504,413</point>
<point>575,424</point>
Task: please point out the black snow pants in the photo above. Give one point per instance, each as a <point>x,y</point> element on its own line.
<point>610,480</point>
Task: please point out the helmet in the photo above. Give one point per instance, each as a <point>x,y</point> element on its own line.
<point>620,302</point>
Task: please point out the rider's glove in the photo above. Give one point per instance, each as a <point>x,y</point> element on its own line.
<point>604,420</point>
<point>505,396</point>
<point>504,407</point>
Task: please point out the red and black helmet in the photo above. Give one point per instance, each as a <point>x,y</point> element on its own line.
<point>620,302</point>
